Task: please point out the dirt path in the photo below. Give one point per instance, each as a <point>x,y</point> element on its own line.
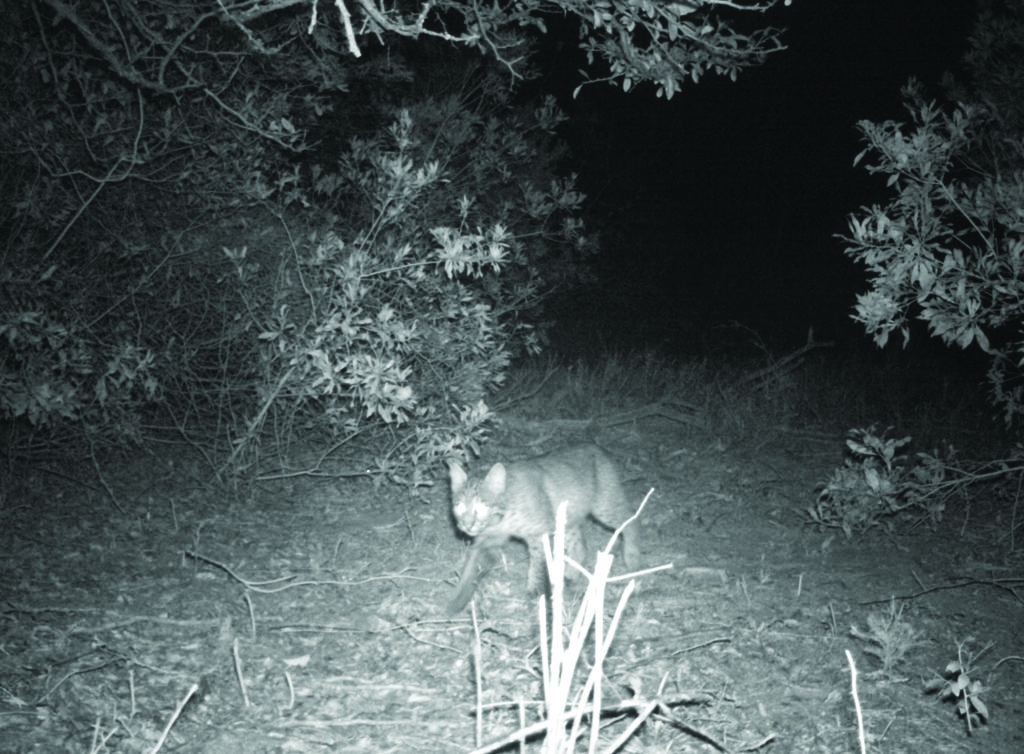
<point>308,618</point>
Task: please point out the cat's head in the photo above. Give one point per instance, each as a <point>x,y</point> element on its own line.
<point>477,503</point>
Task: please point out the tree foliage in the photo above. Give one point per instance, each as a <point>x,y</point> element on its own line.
<point>279,218</point>
<point>949,248</point>
<point>179,47</point>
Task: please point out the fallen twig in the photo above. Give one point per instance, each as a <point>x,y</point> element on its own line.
<point>630,705</point>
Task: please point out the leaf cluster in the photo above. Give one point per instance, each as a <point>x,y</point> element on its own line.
<point>956,684</point>
<point>179,49</point>
<point>878,485</point>
<point>948,249</point>
<point>234,215</point>
<point>668,43</point>
<point>222,272</point>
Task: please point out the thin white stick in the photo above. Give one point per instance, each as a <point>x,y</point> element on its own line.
<point>856,703</point>
<point>556,692</point>
<point>238,671</point>
<point>477,660</point>
<point>545,651</point>
<point>291,691</point>
<point>252,615</point>
<point>174,717</point>
<point>353,46</point>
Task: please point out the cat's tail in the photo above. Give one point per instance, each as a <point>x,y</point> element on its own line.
<point>476,561</point>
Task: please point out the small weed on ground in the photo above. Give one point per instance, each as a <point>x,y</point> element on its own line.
<point>889,637</point>
<point>956,684</point>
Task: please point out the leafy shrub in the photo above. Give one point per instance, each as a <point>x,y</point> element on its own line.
<point>407,308</point>
<point>949,247</point>
<point>877,485</point>
<point>69,347</point>
<point>216,273</point>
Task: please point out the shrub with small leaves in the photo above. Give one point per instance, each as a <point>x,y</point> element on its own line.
<point>956,684</point>
<point>68,355</point>
<point>229,282</point>
<point>406,310</point>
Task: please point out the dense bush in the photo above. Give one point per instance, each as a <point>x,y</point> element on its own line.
<point>251,224</point>
<point>386,284</point>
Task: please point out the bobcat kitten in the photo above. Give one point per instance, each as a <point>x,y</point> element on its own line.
<point>518,500</point>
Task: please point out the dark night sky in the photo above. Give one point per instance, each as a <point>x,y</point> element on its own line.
<point>723,203</point>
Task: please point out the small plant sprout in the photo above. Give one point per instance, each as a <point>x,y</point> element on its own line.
<point>956,683</point>
<point>889,638</point>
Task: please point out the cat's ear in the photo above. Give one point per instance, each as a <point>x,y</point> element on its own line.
<point>457,474</point>
<point>494,482</point>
